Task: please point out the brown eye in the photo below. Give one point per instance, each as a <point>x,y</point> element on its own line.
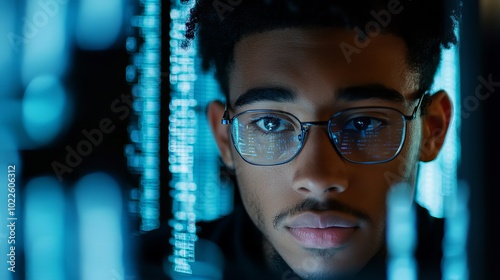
<point>273,124</point>
<point>363,124</point>
<point>269,124</point>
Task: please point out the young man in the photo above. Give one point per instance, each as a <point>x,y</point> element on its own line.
<point>327,106</point>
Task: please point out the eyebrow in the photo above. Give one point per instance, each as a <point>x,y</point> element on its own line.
<point>347,94</point>
<point>275,94</point>
<point>371,91</point>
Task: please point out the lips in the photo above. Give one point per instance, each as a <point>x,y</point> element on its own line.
<point>322,231</point>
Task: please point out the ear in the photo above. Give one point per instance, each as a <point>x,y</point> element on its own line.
<point>220,132</point>
<point>435,124</point>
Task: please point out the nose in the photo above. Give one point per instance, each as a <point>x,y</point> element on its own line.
<point>318,169</point>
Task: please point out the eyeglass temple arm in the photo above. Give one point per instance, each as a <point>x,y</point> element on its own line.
<point>225,117</point>
<point>414,114</point>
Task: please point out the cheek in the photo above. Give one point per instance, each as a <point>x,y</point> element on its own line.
<point>405,165</point>
<point>265,192</point>
<point>369,191</point>
<point>401,169</point>
<point>261,192</point>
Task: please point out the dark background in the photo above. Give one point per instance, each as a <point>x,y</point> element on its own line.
<point>480,153</point>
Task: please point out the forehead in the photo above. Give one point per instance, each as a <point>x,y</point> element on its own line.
<point>327,59</point>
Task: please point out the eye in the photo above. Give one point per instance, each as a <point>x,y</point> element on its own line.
<point>362,124</point>
<point>268,123</point>
<point>271,124</point>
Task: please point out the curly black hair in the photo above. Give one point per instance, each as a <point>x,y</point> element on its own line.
<point>426,26</point>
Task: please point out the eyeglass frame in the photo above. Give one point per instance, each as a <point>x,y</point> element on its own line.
<point>305,126</point>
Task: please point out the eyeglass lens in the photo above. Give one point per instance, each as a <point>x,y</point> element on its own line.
<point>361,135</point>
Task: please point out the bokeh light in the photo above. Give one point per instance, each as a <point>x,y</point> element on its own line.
<point>44,114</point>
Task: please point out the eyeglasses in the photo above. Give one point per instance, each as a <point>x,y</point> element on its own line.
<point>365,135</point>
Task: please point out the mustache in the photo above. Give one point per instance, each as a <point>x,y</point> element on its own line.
<point>311,204</point>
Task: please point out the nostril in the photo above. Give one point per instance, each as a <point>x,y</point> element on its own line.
<point>320,191</point>
<point>304,190</point>
<point>335,188</point>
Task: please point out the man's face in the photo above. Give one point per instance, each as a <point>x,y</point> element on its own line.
<point>322,214</point>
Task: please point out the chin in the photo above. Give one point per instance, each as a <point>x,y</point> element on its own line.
<point>322,275</point>
<point>318,271</point>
